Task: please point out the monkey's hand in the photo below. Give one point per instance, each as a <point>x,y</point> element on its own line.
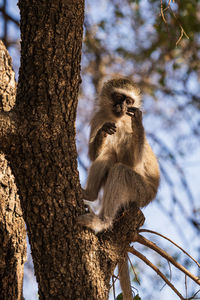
<point>108,128</point>
<point>96,146</point>
<point>135,114</point>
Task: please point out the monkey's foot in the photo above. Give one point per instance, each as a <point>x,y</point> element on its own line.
<point>93,222</point>
<point>88,206</point>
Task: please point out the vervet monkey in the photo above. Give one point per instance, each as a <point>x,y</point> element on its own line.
<point>123,163</point>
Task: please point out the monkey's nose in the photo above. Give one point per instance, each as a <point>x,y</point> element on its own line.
<point>118,107</point>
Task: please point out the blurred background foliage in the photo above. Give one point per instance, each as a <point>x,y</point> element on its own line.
<point>157,44</point>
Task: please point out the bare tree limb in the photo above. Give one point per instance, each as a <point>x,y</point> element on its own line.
<point>7,130</point>
<point>7,99</point>
<point>12,226</point>
<point>194,295</point>
<point>149,244</point>
<point>136,277</point>
<point>7,17</point>
<point>146,261</point>
<point>113,285</point>
<point>166,238</point>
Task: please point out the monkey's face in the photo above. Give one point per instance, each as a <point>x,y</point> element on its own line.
<point>121,103</point>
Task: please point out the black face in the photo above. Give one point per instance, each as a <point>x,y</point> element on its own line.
<point>121,103</point>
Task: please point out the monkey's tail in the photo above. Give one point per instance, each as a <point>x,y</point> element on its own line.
<point>125,279</point>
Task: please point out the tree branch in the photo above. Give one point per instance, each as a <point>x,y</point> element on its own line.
<point>7,79</point>
<point>7,130</point>
<point>7,100</point>
<point>144,259</point>
<point>7,17</point>
<point>13,232</point>
<point>166,238</point>
<point>135,274</point>
<point>149,244</point>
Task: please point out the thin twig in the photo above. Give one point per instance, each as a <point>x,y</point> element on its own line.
<point>179,23</point>
<point>8,17</point>
<point>175,17</point>
<point>133,270</point>
<point>170,275</point>
<point>144,259</point>
<point>180,37</point>
<point>179,169</point>
<point>166,238</point>
<point>186,292</point>
<point>162,11</point>
<point>149,244</point>
<point>113,285</point>
<point>116,278</point>
<point>168,5</point>
<point>193,297</point>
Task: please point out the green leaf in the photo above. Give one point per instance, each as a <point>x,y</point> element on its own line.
<point>120,297</point>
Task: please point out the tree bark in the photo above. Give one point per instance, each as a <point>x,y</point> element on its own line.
<point>12,226</point>
<point>70,262</point>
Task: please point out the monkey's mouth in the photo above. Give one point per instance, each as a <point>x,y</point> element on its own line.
<point>118,110</point>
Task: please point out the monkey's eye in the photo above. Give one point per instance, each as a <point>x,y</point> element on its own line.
<point>129,100</point>
<point>118,97</point>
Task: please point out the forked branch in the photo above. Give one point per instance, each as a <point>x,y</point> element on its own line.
<point>166,238</point>
<point>146,261</point>
<point>168,7</point>
<point>149,244</point>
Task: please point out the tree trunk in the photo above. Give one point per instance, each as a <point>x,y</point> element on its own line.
<point>12,227</point>
<point>70,262</point>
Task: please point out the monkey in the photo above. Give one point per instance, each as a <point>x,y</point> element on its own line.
<point>123,163</point>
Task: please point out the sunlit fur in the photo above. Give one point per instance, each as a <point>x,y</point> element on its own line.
<point>117,85</point>
<point>123,163</point>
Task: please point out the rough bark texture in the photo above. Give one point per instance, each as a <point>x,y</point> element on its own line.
<point>70,262</point>
<point>12,227</point>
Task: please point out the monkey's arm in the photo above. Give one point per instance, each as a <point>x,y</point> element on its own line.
<point>96,143</point>
<point>138,134</point>
<point>146,163</point>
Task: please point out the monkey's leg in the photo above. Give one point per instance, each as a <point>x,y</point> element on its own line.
<point>124,185</point>
<point>97,177</point>
<point>116,195</point>
<point>114,192</point>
